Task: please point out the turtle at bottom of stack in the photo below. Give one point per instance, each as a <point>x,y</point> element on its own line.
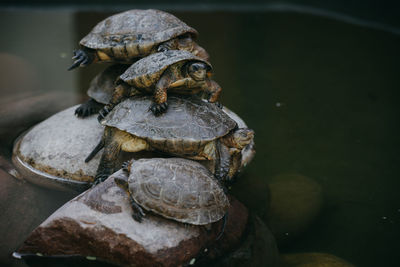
<point>175,188</point>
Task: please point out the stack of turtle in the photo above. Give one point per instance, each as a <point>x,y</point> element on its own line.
<point>155,55</point>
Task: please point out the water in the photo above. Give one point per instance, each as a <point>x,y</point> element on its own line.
<point>320,94</point>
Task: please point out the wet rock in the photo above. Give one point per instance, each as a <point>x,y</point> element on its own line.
<point>98,224</point>
<point>312,260</point>
<point>258,248</point>
<point>295,202</point>
<point>52,153</point>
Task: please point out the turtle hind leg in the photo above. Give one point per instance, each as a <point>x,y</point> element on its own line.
<point>88,108</point>
<point>138,212</point>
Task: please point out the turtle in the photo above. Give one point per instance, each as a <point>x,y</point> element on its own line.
<point>133,34</point>
<point>195,129</point>
<point>100,90</point>
<point>174,70</point>
<point>175,188</point>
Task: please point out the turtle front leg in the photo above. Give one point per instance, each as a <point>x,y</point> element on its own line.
<point>120,93</point>
<point>83,57</point>
<point>214,90</point>
<point>138,212</point>
<point>168,45</point>
<point>88,108</point>
<point>160,104</point>
<point>108,160</point>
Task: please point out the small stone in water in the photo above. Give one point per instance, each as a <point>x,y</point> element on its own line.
<point>192,261</point>
<point>91,258</point>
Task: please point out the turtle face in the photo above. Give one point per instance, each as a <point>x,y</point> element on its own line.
<point>242,137</point>
<point>198,71</point>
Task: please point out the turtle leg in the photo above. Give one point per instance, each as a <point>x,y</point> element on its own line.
<point>120,93</point>
<point>83,57</point>
<point>160,94</point>
<point>214,90</point>
<point>138,212</point>
<point>108,159</point>
<point>224,162</point>
<point>168,45</point>
<point>88,108</point>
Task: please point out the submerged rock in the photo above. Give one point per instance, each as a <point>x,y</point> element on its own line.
<point>312,260</point>
<point>296,201</point>
<point>98,224</point>
<point>52,153</point>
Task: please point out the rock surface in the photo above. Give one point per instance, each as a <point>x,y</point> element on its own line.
<point>52,153</point>
<point>296,200</point>
<point>98,223</point>
<point>312,260</point>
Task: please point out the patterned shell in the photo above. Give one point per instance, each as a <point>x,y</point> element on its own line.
<point>188,120</point>
<point>102,86</point>
<point>178,189</point>
<point>146,71</point>
<point>136,31</point>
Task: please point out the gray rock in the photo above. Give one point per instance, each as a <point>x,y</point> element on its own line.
<point>52,153</point>
<point>99,224</point>
<point>296,201</point>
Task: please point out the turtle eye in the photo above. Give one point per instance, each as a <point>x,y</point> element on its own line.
<point>194,67</point>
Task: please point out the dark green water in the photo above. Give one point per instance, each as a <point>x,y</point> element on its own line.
<point>321,95</point>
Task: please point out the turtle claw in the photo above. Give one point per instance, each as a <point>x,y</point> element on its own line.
<point>99,179</point>
<point>125,166</point>
<point>88,108</point>
<point>219,105</point>
<point>138,213</point>
<point>81,59</point>
<point>158,109</point>
<point>103,113</point>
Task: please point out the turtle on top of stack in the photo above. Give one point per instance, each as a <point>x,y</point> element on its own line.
<point>132,103</point>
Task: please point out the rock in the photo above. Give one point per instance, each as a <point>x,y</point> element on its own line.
<point>295,202</point>
<point>258,248</point>
<point>98,224</point>
<point>52,153</point>
<point>312,260</point>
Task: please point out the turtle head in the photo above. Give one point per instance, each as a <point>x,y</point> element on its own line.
<point>242,137</point>
<point>198,70</point>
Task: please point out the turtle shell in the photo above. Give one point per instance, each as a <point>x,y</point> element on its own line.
<point>188,124</point>
<point>178,189</point>
<point>145,71</point>
<point>102,86</point>
<point>135,32</point>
